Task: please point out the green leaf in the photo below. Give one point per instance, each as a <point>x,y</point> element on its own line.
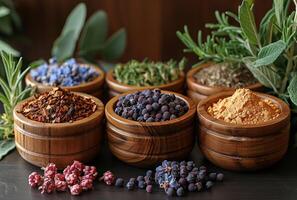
<point>94,33</point>
<point>16,71</point>
<point>270,53</point>
<point>5,147</point>
<point>265,74</point>
<point>37,63</point>
<point>247,22</point>
<point>115,45</point>
<point>292,89</point>
<point>7,48</point>
<point>4,11</point>
<point>75,20</point>
<point>64,46</point>
<point>6,25</point>
<point>279,9</point>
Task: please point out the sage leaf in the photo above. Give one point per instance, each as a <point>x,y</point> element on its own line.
<point>265,74</point>
<point>292,89</point>
<point>115,45</point>
<point>75,20</point>
<point>7,48</point>
<point>247,22</point>
<point>4,11</point>
<point>270,53</point>
<point>64,46</point>
<point>94,33</point>
<point>278,7</point>
<point>5,147</point>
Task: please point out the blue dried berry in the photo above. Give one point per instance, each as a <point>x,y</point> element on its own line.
<point>119,182</point>
<point>180,192</point>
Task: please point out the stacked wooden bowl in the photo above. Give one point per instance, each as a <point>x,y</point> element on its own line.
<point>243,147</point>
<point>115,88</point>
<point>94,87</point>
<point>60,143</point>
<point>148,143</point>
<point>198,92</point>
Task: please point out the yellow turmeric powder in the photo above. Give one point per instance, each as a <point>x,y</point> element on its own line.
<point>244,107</point>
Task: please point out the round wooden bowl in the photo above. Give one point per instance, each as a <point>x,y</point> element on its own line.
<point>115,88</point>
<point>145,144</point>
<point>59,143</point>
<point>94,87</point>
<point>243,147</point>
<point>197,91</point>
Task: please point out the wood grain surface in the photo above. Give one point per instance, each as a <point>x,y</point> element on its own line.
<point>243,147</point>
<point>61,143</point>
<point>94,87</point>
<point>147,143</point>
<point>116,88</point>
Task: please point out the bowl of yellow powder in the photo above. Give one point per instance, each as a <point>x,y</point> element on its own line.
<point>243,130</point>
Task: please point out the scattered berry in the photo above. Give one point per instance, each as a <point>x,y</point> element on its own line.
<point>149,188</point>
<point>35,179</point>
<point>130,185</point>
<point>119,182</point>
<point>209,184</point>
<point>141,184</point>
<point>220,177</point>
<point>108,178</point>
<point>180,192</point>
<point>170,192</point>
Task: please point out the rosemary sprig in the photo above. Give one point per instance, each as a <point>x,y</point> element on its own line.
<point>222,45</point>
<point>12,92</point>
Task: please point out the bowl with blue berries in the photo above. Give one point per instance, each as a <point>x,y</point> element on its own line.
<point>71,75</point>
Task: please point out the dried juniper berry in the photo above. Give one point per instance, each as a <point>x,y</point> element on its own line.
<point>209,184</point>
<point>141,184</point>
<point>220,177</point>
<point>119,182</point>
<point>180,192</point>
<point>170,192</point>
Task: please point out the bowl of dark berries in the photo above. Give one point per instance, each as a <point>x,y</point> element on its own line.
<point>58,126</point>
<point>144,75</point>
<point>148,126</point>
<point>71,75</point>
<point>210,78</point>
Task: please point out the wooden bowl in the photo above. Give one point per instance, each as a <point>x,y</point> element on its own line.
<point>145,144</point>
<point>116,88</point>
<point>197,91</point>
<point>243,147</point>
<point>94,87</point>
<point>60,143</point>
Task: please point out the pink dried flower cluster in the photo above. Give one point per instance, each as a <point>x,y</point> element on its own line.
<point>108,177</point>
<point>76,177</point>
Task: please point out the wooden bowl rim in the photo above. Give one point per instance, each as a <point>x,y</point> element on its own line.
<point>202,113</point>
<point>97,114</point>
<point>112,82</point>
<point>196,68</point>
<point>109,110</point>
<point>97,80</point>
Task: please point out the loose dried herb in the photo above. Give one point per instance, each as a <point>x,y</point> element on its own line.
<point>222,74</point>
<point>58,106</point>
<point>148,73</point>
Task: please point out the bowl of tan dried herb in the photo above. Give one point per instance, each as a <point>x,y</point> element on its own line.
<point>146,75</point>
<point>243,130</point>
<point>58,126</point>
<point>210,78</point>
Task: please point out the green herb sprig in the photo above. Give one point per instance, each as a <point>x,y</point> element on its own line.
<point>221,45</point>
<point>12,92</point>
<point>148,73</point>
<point>269,51</point>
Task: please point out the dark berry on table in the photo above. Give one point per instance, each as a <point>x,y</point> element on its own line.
<point>180,192</point>
<point>192,187</point>
<point>183,182</point>
<point>149,173</point>
<point>149,188</point>
<point>140,178</point>
<point>220,177</point>
<point>191,178</point>
<point>212,176</point>
<point>130,185</point>
<point>119,182</point>
<point>199,186</point>
<point>170,192</point>
<point>209,184</point>
<point>141,184</point>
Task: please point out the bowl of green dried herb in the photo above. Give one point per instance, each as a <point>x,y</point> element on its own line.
<point>143,75</point>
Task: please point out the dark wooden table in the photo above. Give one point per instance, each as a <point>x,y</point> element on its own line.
<point>278,182</point>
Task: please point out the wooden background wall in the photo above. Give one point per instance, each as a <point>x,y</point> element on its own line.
<point>151,24</point>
